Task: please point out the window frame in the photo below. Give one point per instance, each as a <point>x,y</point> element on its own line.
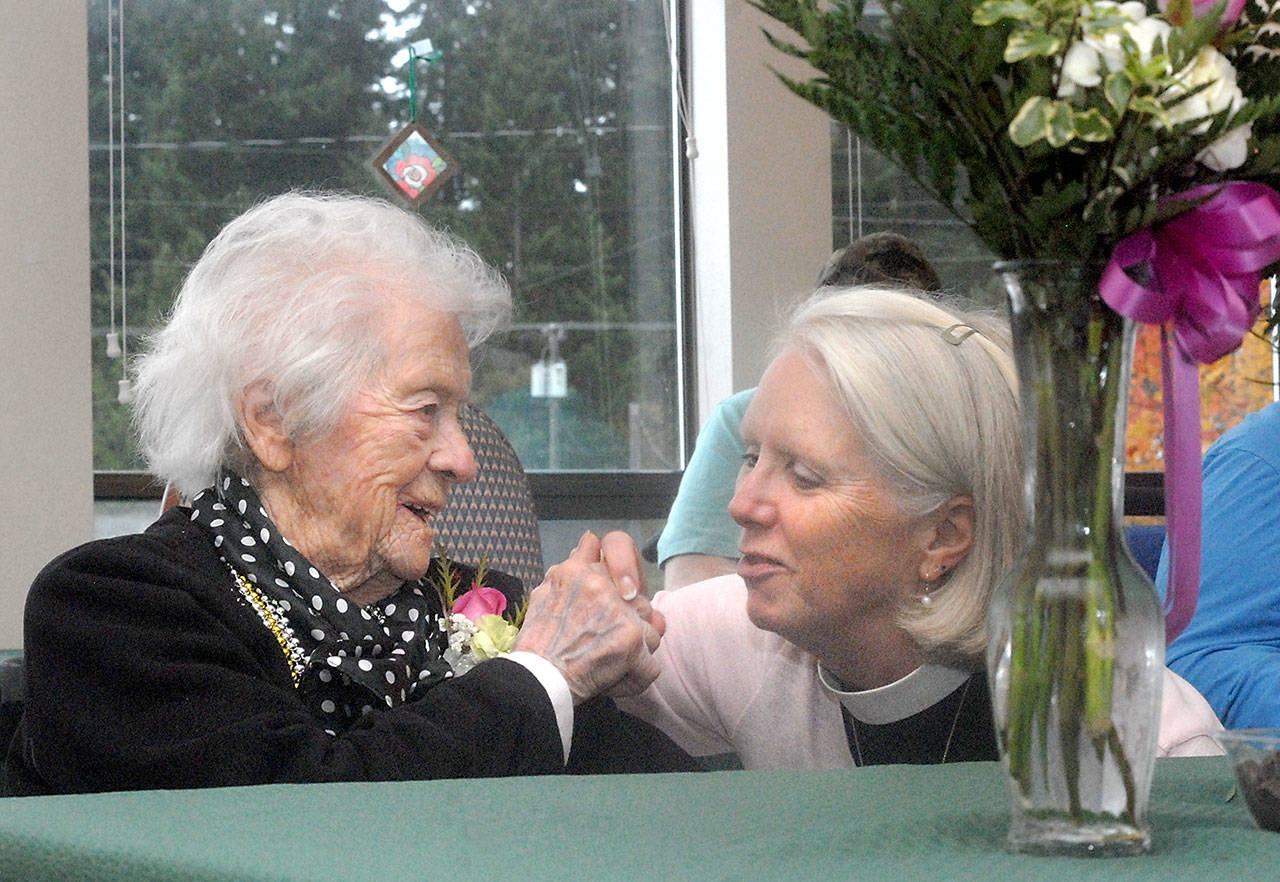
<point>570,494</point>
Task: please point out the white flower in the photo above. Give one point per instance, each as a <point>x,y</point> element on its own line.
<point>461,630</point>
<point>1084,62</point>
<point>1109,48</point>
<point>1145,33</point>
<point>1228,152</point>
<point>1211,69</point>
<point>1134,9</point>
<point>1080,68</point>
<point>494,636</point>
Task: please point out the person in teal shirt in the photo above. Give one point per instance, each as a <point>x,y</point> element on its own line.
<point>700,540</point>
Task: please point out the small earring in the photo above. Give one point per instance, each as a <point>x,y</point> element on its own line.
<point>926,600</point>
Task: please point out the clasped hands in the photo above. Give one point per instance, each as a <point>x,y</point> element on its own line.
<point>591,618</point>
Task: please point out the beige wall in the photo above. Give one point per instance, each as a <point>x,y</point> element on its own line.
<point>46,489</point>
<point>761,193</point>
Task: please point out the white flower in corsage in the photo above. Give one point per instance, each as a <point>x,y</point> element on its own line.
<point>475,624</point>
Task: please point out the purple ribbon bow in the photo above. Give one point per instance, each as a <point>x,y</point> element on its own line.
<point>1201,273</point>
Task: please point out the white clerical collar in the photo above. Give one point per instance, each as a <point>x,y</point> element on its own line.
<point>922,688</point>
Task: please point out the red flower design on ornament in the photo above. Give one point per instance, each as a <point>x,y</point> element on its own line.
<point>414,172</point>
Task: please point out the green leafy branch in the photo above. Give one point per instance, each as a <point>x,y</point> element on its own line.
<point>965,98</point>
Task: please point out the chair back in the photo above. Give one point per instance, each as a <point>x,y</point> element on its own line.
<point>493,514</point>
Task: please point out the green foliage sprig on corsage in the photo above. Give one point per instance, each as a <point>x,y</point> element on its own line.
<point>474,617</point>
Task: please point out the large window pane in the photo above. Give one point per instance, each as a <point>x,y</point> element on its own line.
<point>870,195</point>
<point>558,112</point>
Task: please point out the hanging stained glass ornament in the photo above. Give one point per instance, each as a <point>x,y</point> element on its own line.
<point>413,162</point>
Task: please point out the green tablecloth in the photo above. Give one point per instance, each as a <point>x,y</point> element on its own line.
<point>892,822</point>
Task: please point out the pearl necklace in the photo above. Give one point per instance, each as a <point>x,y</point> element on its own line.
<point>946,748</point>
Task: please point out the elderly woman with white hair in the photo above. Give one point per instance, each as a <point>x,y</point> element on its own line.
<point>289,624</point>
<point>880,499</point>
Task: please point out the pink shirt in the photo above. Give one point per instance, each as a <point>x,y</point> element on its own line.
<point>728,686</point>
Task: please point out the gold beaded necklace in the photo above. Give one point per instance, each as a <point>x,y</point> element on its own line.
<point>274,618</point>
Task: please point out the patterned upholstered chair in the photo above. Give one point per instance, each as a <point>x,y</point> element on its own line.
<point>495,512</point>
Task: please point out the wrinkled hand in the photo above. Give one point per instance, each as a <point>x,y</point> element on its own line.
<point>619,554</point>
<point>579,621</point>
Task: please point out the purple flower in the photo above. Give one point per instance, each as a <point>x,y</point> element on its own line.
<point>1200,7</point>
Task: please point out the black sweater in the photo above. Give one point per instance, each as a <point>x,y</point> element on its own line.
<point>144,671</point>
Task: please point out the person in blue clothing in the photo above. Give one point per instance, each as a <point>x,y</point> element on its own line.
<point>1231,649</point>
<point>700,540</point>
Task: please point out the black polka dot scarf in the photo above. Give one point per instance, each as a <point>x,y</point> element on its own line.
<point>357,658</point>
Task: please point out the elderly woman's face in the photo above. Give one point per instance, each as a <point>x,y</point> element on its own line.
<point>358,502</point>
<point>824,546</point>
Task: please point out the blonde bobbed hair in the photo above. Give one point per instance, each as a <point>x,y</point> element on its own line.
<point>932,393</point>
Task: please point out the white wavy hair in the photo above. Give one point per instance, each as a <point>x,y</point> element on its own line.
<point>290,293</point>
<point>940,419</point>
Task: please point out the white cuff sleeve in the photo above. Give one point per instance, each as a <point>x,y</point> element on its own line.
<point>557,690</point>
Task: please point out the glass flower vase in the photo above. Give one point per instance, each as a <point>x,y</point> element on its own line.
<point>1076,649</point>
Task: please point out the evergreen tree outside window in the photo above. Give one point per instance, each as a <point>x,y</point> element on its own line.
<point>559,114</point>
